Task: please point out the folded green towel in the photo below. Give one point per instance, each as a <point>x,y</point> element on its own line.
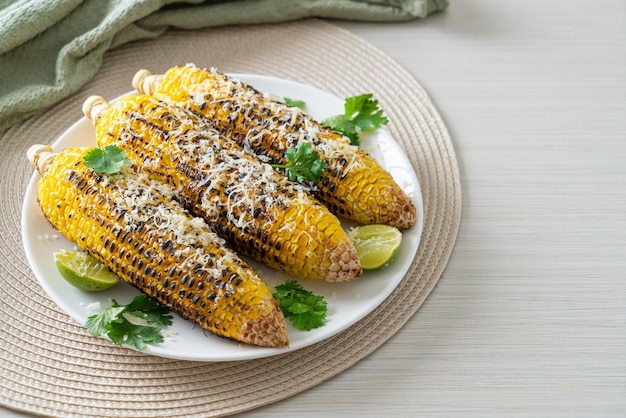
<point>50,48</point>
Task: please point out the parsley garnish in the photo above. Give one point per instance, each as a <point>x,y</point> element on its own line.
<point>113,322</point>
<point>361,113</point>
<point>303,163</point>
<point>300,104</point>
<point>107,160</point>
<point>305,309</point>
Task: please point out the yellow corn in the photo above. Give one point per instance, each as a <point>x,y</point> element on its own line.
<point>259,212</point>
<point>129,223</point>
<point>353,185</point>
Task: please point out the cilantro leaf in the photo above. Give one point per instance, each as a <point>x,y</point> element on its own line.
<point>120,330</point>
<point>303,163</point>
<point>125,332</point>
<point>97,324</point>
<point>344,126</point>
<point>303,308</point>
<point>300,104</point>
<point>107,160</point>
<point>364,111</point>
<point>149,310</point>
<point>361,113</point>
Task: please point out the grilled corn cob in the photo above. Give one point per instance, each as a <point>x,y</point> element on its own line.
<point>353,185</point>
<point>128,223</point>
<point>259,212</point>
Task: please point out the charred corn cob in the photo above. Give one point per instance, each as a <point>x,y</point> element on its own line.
<point>259,212</point>
<point>128,223</point>
<point>353,185</point>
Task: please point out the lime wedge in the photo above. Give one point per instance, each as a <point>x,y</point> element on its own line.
<point>83,271</point>
<point>376,245</point>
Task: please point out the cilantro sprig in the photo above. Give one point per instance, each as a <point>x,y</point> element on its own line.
<point>113,322</point>
<point>107,160</point>
<point>300,104</point>
<point>361,114</point>
<point>303,163</point>
<point>303,308</point>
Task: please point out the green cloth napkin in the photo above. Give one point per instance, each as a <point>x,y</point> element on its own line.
<point>50,48</point>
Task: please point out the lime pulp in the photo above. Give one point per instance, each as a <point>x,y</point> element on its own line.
<point>83,271</point>
<point>376,245</point>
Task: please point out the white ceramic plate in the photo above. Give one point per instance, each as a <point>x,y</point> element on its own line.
<point>347,302</point>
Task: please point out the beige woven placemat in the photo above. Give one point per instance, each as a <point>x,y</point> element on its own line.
<point>49,365</point>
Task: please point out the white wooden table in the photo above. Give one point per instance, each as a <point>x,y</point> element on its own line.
<point>529,318</point>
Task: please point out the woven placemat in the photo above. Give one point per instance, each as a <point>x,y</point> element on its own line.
<point>49,365</point>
